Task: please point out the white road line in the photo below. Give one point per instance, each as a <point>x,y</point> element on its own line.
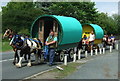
<point>38,74</point>
<point>5,60</point>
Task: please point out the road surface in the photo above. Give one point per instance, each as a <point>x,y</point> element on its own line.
<point>102,67</point>
<point>9,71</point>
<point>104,64</point>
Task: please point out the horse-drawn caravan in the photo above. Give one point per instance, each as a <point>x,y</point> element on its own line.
<point>67,29</point>
<point>69,32</point>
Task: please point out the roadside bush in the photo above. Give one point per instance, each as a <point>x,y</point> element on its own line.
<point>24,31</point>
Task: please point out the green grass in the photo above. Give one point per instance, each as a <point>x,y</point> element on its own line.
<point>58,74</point>
<point>69,69</point>
<point>5,46</point>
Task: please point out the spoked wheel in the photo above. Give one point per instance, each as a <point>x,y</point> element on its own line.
<point>61,56</point>
<point>71,54</point>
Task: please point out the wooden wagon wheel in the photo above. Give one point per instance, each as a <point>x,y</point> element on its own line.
<point>71,53</point>
<point>61,56</point>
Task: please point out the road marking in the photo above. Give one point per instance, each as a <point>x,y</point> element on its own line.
<point>37,74</point>
<point>42,72</point>
<point>6,60</point>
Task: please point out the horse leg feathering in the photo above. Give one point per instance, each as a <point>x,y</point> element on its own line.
<point>19,64</point>
<point>29,61</point>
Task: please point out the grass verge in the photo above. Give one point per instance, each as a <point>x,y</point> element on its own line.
<point>5,46</point>
<point>70,68</point>
<point>58,74</point>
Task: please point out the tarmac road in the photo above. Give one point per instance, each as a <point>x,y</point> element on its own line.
<point>101,67</point>
<point>9,71</point>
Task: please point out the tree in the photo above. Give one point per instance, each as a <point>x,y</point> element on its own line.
<point>116,18</point>
<point>108,23</point>
<point>19,15</point>
<point>83,11</point>
<point>43,6</point>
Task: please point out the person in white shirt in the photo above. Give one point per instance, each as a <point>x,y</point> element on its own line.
<point>91,39</point>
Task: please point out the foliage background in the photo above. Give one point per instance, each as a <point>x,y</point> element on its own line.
<point>19,16</point>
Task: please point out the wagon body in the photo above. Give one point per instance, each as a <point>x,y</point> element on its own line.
<point>99,33</point>
<point>67,29</point>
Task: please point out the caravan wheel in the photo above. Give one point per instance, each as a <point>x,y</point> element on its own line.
<point>61,56</point>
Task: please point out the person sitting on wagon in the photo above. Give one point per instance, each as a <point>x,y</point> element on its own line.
<point>105,38</point>
<point>112,38</point>
<point>51,43</point>
<point>91,39</point>
<point>84,40</point>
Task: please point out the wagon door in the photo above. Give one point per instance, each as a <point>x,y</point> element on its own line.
<point>41,31</point>
<point>55,28</point>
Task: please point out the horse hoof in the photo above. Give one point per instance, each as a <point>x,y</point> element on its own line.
<point>18,65</point>
<point>14,63</point>
<point>29,65</point>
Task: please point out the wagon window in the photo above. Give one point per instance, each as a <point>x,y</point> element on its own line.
<point>40,26</point>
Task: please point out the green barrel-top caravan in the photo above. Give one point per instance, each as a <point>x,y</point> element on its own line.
<point>67,29</point>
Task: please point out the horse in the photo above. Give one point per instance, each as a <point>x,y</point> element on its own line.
<point>9,33</point>
<point>108,41</point>
<point>27,46</point>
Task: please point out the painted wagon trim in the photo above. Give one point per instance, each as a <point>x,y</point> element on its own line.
<point>99,33</point>
<point>71,29</point>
